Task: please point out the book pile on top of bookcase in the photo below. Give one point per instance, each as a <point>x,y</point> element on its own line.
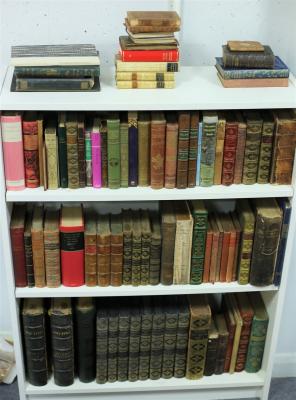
<point>45,68</point>
<point>149,55</point>
<point>142,338</point>
<point>184,243</point>
<point>162,150</point>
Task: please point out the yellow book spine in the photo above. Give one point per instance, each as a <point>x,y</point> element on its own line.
<point>145,84</point>
<point>52,161</point>
<point>145,76</point>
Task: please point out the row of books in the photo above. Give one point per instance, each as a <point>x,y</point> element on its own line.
<point>164,150</point>
<point>188,243</point>
<point>132,339</point>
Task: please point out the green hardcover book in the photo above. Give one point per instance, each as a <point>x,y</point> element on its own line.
<point>266,147</point>
<point>144,127</point>
<point>155,249</point>
<point>170,336</point>
<point>81,149</point>
<point>104,153</point>
<point>102,343</point>
<point>192,156</point>
<point>113,148</point>
<point>136,248</point>
<point>145,340</point>
<point>134,340</point>
<point>62,146</point>
<point>112,340</point>
<point>252,147</point>
<point>208,149</point>
<point>200,321</point>
<point>182,337</point>
<point>200,223</point>
<point>72,150</point>
<point>123,150</point>
<point>145,246</point>
<point>127,247</point>
<point>60,71</point>
<point>247,222</point>
<point>87,148</point>
<point>258,333</point>
<point>157,338</point>
<point>123,340</point>
<point>212,348</point>
<point>183,149</point>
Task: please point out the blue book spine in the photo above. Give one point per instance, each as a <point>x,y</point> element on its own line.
<point>199,144</point>
<point>132,149</point>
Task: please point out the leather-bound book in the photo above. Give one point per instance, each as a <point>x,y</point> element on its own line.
<point>237,334</point>
<point>252,148</point>
<point>144,127</point>
<point>132,148</point>
<point>90,247</point>
<point>155,249</point>
<point>44,160</point>
<point>17,228</point>
<point>72,245</point>
<point>155,19</point>
<point>220,246</point>
<point>238,231</point>
<point>200,322</point>
<point>136,248</point>
<point>183,149</point>
<point>123,130</point>
<point>230,147</point>
<point>212,350</point>
<point>231,260</point>
<point>247,313</point>
<point>200,223</point>
<point>145,246</point>
<point>113,148</point>
<point>192,157</point>
<point>62,149</point>
<point>103,250</point>
<point>199,149</point>
<point>101,342</point>
<point>168,233</point>
<point>266,147</point>
<point>157,149</point>
<point>81,149</point>
<point>123,340</point>
<point>52,248</point>
<point>182,337</point>
<point>222,343</point>
<point>240,147</point>
<point>30,140</point>
<point>51,146</point>
<point>171,149</point>
<point>62,341</point>
<point>28,248</point>
<point>85,334</point>
<point>127,246</point>
<point>258,333</point>
<point>170,336</point>
<point>87,148</point>
<point>219,148</point>
<point>157,338</point>
<point>266,241</point>
<point>40,147</point>
<point>145,339</point>
<point>283,147</point>
<point>38,246</point>
<point>72,150</point>
<point>112,340</point>
<point>134,340</point>
<point>116,260</point>
<point>248,59</point>
<point>104,152</point>
<point>34,330</point>
<point>231,327</point>
<point>208,253</point>
<point>227,227</point>
<point>208,148</point>
<point>215,262</point>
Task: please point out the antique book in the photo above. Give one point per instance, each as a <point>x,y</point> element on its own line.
<point>72,245</point>
<point>231,327</point>
<point>219,148</point>
<point>132,148</point>
<point>145,76</point>
<point>144,126</point>
<point>40,147</point>
<point>215,260</point>
<point>170,336</point>
<point>34,331</point>
<point>145,246</point>
<point>171,149</point>
<point>81,149</point>
<point>183,242</point>
<point>112,340</point>
<point>90,247</point>
<point>62,341</point>
<point>157,338</point>
<point>208,253</point>
<point>145,338</point>
<point>258,333</point>
<point>146,34</point>
<point>51,235</point>
<point>230,147</point>
<point>226,226</point>
<point>38,246</point>
<point>200,321</point>
<point>116,241</point>
<point>103,152</point>
<point>157,149</point>
<point>134,340</point>
<point>221,241</point>
<point>136,248</point>
<point>51,146</point>
<point>244,45</point>
<point>85,333</point>
<point>208,148</point>
<point>87,148</point>
<point>155,249</point>
<point>62,149</point>
<point>17,228</point>
<point>29,84</point>
<point>123,130</point>
<point>140,66</point>
<point>183,149</point>
<point>238,232</point>
<point>153,18</point>
<point>212,349</point>
<point>192,156</point>
<point>30,140</point>
<point>181,337</point>
<point>28,248</point>
<point>103,250</point>
<point>266,241</point>
<point>58,71</point>
<point>252,147</point>
<point>168,233</point>
<point>127,43</point>
<point>199,150</point>
<point>72,150</point>
<point>11,129</point>
<point>222,343</point>
<point>96,160</point>
<point>283,147</point>
<point>233,243</point>
<point>127,246</point>
<point>247,223</point>
<point>101,342</point>
<point>123,340</point>
<point>265,147</point>
<point>200,223</point>
<point>254,82</point>
<point>145,84</point>
<point>240,147</point>
<point>248,59</point>
<point>238,329</point>
<point>44,167</point>
<point>113,148</point>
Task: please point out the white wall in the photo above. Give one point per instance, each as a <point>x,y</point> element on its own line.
<point>206,25</point>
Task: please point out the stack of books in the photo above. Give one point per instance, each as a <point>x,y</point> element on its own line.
<point>250,64</point>
<point>53,68</point>
<point>149,55</point>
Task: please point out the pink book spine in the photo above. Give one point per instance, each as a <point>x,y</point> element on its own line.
<point>11,128</point>
<point>96,159</point>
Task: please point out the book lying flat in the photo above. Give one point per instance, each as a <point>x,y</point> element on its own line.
<point>134,84</point>
<point>253,83</point>
<point>154,18</point>
<point>126,43</point>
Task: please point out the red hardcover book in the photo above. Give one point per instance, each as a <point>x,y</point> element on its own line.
<point>231,253</point>
<point>31,158</point>
<point>72,246</point>
<point>150,55</point>
<point>229,154</point>
<point>224,219</point>
<point>17,227</point>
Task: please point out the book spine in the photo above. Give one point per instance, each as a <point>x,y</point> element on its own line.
<point>145,345</point>
<point>183,150</point>
<point>81,151</point>
<point>29,259</point>
<point>90,258</point>
<point>88,160</point>
<point>248,60</point>
<point>112,345</point>
<point>208,149</point>
<point>147,67</point>
<point>11,128</point>
<point>30,139</point>
<point>72,258</point>
<point>231,330</point>
<point>18,254</point>
<point>282,245</point>
<point>215,261</point>
<point>40,150</point>
<point>145,258</point>
<point>136,259</point>
<point>52,258</point>
<point>265,152</point>
<point>182,339</point>
<point>231,132</point>
<point>243,343</point>
<point>123,346</point>
<point>221,354</point>
<point>57,71</point>
<point>144,153</point>
<point>145,76</point>
<point>103,259</point>
<point>199,147</point>
<point>219,151</point>
<point>198,248</point>
<point>224,256</point>
<point>192,157</point>
<point>38,258</point>
<point>256,345</point>
<point>169,342</point>
<point>231,262</point>
<point>182,253</point>
<point>157,152</point>
<point>51,145</point>
<point>171,148</point>
<point>104,159</point>
<point>167,253</point>
<point>72,155</point>
<point>134,345</point>
<point>240,153</point>
<point>96,159</point>
<point>196,356</point>
<point>155,253</point>
<point>211,356</point>
<point>53,84</point>
<point>245,254</point>
<point>252,149</point>
<point>132,149</point>
<point>145,84</point>
<point>113,143</point>
<point>252,73</point>
<point>116,262</point>
<point>124,156</point>
<point>157,343</point>
<point>62,151</point>
<point>101,345</point>
<point>207,259</point>
<point>127,250</point>
<point>150,55</point>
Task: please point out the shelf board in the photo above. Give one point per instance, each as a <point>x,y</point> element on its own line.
<point>147,194</point>
<point>149,290</point>
<point>196,88</point>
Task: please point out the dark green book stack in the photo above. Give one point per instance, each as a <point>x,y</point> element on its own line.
<point>170,335</point>
<point>123,340</point>
<point>136,248</point>
<point>62,150</point>
<point>113,148</point>
<point>145,252</point>
<point>222,344</point>
<point>182,337</point>
<point>157,337</point>
<point>112,340</point>
<point>123,150</point>
<point>134,340</point>
<point>127,246</point>
<point>155,249</point>
<point>208,148</point>
<point>102,343</point>
<point>200,223</point>
<point>212,349</point>
<point>145,340</point>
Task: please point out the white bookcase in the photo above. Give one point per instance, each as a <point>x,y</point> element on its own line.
<point>197,89</point>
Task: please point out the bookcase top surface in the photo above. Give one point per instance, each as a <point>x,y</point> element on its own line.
<point>196,88</point>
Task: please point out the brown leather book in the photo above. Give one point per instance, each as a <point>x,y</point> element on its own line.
<point>222,343</point>
<point>219,148</point>
<point>144,127</point>
<point>104,152</point>
<point>238,232</point>
<point>244,45</point>
<point>90,247</point>
<point>231,324</point>
<point>38,246</point>
<point>158,126</point>
<point>171,148</point>
<point>192,158</point>
<point>116,260</point>
<point>240,148</point>
<point>145,246</point>
<point>40,148</point>
<point>183,149</point>
<point>17,227</point>
<point>168,233</point>
<point>52,248</point>
<point>254,82</point>
<point>103,250</point>
<point>226,226</point>
<point>208,254</point>
<point>153,18</point>
<point>150,28</point>
<point>230,145</point>
<point>231,250</point>
<point>215,248</point>
<point>220,246</point>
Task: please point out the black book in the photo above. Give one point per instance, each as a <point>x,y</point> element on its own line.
<point>134,342</point>
<point>123,340</point>
<point>102,342</point>
<point>112,340</point>
<point>145,340</point>
<point>212,350</point>
<point>182,337</point>
<point>170,336</point>
<point>157,338</point>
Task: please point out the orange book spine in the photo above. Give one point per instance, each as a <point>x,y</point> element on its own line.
<point>231,256</point>
<point>224,256</point>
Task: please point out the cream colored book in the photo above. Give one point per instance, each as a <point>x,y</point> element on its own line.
<point>51,144</point>
<point>145,76</point>
<point>238,328</point>
<point>145,84</point>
